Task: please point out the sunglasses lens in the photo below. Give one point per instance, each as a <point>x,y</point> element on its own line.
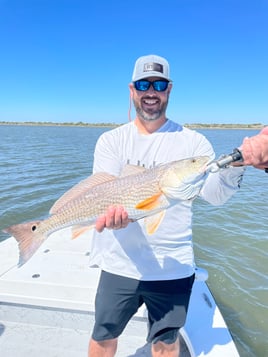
<point>160,86</point>
<point>143,85</point>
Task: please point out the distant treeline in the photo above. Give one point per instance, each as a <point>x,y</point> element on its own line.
<point>192,125</point>
<point>49,123</point>
<point>225,126</point>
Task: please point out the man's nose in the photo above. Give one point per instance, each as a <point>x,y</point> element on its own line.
<point>151,89</point>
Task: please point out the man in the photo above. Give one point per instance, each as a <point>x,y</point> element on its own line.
<point>137,268</point>
<point>255,150</point>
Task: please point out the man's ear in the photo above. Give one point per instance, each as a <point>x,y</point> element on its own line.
<point>131,90</point>
<point>169,87</point>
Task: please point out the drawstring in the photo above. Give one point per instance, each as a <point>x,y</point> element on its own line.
<point>129,108</point>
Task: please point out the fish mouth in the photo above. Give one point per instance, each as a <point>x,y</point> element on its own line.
<point>206,167</point>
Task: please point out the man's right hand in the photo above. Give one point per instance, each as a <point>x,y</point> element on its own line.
<point>115,218</point>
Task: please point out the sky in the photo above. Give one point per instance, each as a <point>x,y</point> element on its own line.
<point>72,60</point>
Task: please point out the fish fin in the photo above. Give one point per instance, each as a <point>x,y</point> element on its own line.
<point>129,170</point>
<point>153,222</point>
<point>80,189</point>
<point>77,231</point>
<point>150,202</point>
<point>28,238</point>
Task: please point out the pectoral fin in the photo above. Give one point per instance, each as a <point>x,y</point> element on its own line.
<point>153,222</point>
<point>150,202</point>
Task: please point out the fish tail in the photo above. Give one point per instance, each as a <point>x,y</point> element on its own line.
<point>28,237</point>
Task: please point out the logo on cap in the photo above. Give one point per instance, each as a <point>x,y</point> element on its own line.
<point>151,66</point>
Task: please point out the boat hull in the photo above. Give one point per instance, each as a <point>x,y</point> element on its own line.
<point>47,306</point>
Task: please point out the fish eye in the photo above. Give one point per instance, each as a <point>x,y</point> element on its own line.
<point>34,228</point>
<point>194,160</point>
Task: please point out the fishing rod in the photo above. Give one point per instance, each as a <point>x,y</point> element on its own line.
<point>224,161</point>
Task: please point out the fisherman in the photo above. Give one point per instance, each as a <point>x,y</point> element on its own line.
<point>157,270</point>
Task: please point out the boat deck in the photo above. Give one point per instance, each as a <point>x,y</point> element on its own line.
<point>47,307</point>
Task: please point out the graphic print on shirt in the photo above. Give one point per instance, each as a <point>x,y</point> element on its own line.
<point>141,164</point>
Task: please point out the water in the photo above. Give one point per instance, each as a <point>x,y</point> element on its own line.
<point>38,164</point>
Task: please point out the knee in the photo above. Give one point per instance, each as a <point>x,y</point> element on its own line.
<point>106,348</point>
<point>161,348</point>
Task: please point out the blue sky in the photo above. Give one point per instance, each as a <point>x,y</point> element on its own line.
<point>72,60</point>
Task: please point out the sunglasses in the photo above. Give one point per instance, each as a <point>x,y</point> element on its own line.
<point>143,85</point>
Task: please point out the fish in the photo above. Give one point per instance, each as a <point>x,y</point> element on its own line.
<point>143,192</point>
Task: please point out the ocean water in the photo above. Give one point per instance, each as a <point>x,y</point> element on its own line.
<point>39,163</point>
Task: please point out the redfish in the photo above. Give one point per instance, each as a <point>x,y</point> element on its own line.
<point>144,193</point>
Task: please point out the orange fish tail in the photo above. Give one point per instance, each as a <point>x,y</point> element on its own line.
<point>28,238</point>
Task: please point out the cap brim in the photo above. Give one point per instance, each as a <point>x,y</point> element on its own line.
<point>151,74</point>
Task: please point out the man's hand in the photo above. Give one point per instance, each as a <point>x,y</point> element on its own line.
<point>255,150</point>
<point>115,218</point>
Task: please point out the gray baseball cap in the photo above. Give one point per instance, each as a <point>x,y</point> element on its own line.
<point>151,66</point>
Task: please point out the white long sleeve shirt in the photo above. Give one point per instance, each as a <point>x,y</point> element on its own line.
<point>168,253</point>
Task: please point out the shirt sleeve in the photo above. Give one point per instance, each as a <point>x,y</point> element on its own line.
<point>106,155</point>
<point>219,187</point>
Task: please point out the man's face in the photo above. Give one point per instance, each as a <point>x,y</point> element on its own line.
<point>150,104</point>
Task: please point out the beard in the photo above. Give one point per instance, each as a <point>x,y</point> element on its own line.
<point>150,114</point>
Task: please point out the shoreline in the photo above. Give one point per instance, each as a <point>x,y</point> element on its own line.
<point>257,126</point>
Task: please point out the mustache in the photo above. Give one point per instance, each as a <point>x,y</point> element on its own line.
<point>150,97</point>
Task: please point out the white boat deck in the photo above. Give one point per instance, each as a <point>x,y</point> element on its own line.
<point>47,307</point>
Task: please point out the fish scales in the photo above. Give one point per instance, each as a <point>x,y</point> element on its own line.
<point>125,191</point>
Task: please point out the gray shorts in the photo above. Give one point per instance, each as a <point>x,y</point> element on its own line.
<point>118,299</point>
